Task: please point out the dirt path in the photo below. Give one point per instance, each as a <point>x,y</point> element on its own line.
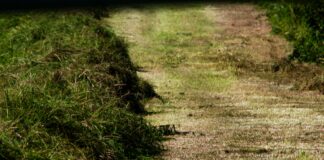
<point>209,62</point>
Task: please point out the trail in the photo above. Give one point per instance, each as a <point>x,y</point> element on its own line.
<point>210,61</point>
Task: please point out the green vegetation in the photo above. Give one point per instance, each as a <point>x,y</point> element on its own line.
<point>68,90</point>
<point>301,23</point>
<point>168,43</point>
<point>219,77</point>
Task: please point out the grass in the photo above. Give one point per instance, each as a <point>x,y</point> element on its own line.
<point>68,90</point>
<point>210,62</point>
<point>169,42</point>
<point>300,23</point>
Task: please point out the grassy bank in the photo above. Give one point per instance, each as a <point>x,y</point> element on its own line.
<point>301,23</point>
<point>68,90</point>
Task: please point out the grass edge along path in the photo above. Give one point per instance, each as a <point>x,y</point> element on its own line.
<point>299,22</point>
<point>68,90</point>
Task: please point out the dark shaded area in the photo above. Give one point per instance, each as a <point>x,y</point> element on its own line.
<point>68,4</point>
<point>64,4</point>
<point>47,4</point>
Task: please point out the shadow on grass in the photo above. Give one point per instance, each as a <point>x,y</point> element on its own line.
<point>18,5</point>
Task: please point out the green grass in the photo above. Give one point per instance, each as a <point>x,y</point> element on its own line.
<point>68,90</point>
<point>173,41</point>
<point>301,23</point>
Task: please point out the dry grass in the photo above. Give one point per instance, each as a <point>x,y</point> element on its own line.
<point>214,66</point>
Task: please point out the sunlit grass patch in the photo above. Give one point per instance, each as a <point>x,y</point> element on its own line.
<point>204,80</point>
<point>210,65</point>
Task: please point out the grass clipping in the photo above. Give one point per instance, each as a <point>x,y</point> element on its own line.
<point>68,90</point>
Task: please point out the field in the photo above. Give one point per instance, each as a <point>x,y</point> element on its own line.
<point>230,92</point>
<point>158,80</point>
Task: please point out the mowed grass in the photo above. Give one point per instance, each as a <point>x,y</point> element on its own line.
<point>68,90</point>
<point>173,41</point>
<point>212,63</point>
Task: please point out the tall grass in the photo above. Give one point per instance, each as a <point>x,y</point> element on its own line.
<point>68,90</point>
<point>301,23</point>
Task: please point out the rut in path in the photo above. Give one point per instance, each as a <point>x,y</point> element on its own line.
<point>207,61</point>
